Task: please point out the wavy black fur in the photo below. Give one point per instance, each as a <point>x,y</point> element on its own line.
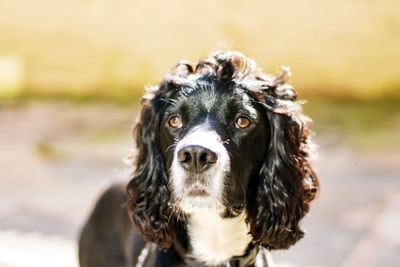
<point>148,190</point>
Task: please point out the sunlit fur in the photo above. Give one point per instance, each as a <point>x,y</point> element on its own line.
<point>277,197</point>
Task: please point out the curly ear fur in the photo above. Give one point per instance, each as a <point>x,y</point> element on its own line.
<point>279,196</point>
<point>148,189</point>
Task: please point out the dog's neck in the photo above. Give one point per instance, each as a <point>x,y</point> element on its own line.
<point>215,240</point>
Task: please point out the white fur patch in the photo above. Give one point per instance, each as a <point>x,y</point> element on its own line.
<point>214,177</point>
<point>214,239</point>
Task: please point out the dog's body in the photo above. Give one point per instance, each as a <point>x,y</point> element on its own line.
<point>222,172</point>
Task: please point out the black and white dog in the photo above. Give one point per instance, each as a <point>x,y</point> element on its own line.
<point>221,172</point>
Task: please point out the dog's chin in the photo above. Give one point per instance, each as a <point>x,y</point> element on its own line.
<point>193,203</point>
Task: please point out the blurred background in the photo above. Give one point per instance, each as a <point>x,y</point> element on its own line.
<point>72,72</point>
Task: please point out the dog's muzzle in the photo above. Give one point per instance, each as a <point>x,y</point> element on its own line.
<point>199,169</point>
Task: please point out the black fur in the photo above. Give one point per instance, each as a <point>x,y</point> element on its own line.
<point>148,190</point>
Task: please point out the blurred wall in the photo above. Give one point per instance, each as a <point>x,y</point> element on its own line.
<point>114,48</point>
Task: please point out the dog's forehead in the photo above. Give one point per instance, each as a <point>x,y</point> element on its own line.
<point>212,97</point>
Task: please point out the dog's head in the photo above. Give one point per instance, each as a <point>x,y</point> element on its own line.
<point>227,137</point>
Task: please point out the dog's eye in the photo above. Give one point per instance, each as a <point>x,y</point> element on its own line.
<point>242,122</point>
<point>175,121</point>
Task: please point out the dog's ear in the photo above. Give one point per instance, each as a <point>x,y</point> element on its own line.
<point>148,189</point>
<point>279,195</point>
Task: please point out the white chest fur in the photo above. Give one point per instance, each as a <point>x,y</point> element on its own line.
<point>214,240</point>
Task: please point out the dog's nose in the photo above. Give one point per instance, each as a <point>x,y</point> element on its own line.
<point>196,158</point>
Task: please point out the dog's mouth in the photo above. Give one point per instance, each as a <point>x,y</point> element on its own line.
<point>198,191</point>
<point>198,196</point>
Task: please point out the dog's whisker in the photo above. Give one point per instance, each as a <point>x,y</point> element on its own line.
<point>170,147</point>
<point>173,102</point>
<point>226,141</point>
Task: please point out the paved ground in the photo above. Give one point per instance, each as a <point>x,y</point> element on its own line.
<point>56,157</point>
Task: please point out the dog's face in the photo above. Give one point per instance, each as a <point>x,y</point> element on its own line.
<point>222,136</point>
<point>213,139</point>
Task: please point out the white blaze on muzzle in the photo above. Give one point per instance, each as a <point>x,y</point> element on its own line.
<point>212,180</point>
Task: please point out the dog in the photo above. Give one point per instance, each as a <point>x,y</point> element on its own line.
<point>222,172</point>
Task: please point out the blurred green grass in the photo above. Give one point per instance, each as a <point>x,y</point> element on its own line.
<point>361,124</point>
